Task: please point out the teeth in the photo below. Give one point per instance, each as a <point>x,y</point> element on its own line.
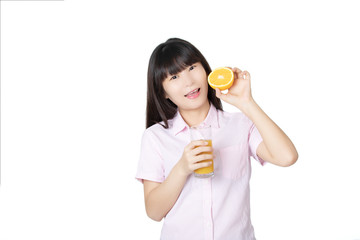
<point>193,92</point>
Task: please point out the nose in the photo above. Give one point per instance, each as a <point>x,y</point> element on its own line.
<point>188,79</point>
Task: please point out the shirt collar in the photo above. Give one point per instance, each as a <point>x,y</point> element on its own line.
<point>180,125</point>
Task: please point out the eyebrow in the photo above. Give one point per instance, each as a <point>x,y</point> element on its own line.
<point>191,65</point>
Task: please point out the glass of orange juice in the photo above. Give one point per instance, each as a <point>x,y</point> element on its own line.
<point>203,133</point>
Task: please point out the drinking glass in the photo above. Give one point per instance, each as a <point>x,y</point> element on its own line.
<point>203,133</point>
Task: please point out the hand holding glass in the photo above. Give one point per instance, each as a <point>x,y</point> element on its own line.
<point>203,133</point>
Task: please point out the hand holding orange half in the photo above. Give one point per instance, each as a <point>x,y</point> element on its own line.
<point>238,84</point>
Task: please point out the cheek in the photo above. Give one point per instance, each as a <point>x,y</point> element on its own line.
<point>202,77</point>
<point>171,93</point>
<point>206,89</point>
<point>205,82</point>
<point>167,90</point>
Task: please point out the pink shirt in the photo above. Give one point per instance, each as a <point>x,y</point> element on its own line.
<point>212,208</point>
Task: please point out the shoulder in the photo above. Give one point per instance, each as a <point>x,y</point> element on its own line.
<point>156,131</point>
<point>231,118</point>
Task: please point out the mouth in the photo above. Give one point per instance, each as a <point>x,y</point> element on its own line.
<point>193,94</point>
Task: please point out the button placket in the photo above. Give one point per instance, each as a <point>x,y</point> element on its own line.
<point>207,209</point>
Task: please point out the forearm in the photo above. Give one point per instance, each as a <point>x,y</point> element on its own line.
<point>162,198</point>
<point>276,141</point>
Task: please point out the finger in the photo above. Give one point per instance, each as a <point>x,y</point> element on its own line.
<point>237,70</point>
<point>218,93</point>
<point>197,143</point>
<point>199,150</point>
<point>203,157</point>
<point>245,75</point>
<point>202,165</point>
<point>221,95</point>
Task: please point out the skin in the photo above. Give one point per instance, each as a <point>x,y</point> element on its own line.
<point>276,147</point>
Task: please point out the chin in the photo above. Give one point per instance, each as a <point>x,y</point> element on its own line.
<point>198,104</point>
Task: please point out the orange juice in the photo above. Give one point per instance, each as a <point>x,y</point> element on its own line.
<point>210,169</point>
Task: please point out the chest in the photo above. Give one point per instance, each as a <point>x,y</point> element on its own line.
<point>230,148</point>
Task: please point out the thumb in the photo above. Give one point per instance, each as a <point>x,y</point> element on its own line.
<point>220,95</point>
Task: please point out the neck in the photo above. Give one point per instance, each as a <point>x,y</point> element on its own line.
<point>196,116</point>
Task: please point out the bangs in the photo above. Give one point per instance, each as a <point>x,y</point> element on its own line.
<point>174,59</point>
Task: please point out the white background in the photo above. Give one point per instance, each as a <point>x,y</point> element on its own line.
<point>73,94</point>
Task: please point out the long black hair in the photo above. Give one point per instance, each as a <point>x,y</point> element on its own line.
<point>170,58</point>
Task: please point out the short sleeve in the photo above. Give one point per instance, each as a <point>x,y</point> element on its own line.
<point>150,166</point>
<point>254,140</point>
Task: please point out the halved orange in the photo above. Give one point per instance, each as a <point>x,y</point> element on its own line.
<point>221,78</point>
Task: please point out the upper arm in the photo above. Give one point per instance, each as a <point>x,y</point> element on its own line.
<point>263,152</point>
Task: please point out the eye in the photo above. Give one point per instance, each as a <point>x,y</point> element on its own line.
<point>173,77</point>
<point>192,67</point>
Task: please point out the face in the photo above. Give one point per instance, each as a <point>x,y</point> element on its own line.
<point>189,88</point>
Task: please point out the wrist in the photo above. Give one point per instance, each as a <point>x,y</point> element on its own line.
<point>180,171</point>
<point>247,106</point>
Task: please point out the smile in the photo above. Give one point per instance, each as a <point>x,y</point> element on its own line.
<point>193,94</point>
